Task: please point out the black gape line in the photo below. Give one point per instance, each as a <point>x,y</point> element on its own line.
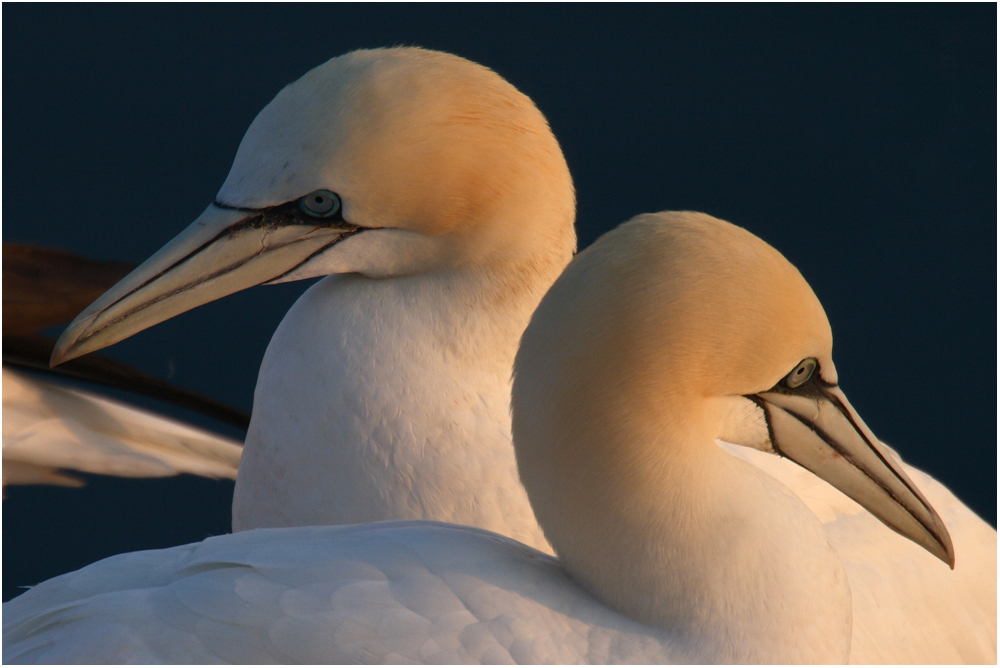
<point>770,429</point>
<point>812,389</point>
<point>815,388</point>
<point>280,215</point>
<point>295,213</point>
<point>349,232</point>
<point>289,213</point>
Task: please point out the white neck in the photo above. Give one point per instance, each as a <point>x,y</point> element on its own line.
<point>658,522</point>
<point>390,399</point>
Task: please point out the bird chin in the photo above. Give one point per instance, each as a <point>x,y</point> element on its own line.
<point>742,422</point>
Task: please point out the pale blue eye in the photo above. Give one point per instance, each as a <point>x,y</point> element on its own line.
<point>320,204</point>
<point>803,372</point>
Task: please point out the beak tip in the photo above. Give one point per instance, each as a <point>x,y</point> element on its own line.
<point>941,545</point>
<point>950,554</point>
<point>75,341</point>
<point>58,356</point>
<point>943,538</point>
<point>67,348</point>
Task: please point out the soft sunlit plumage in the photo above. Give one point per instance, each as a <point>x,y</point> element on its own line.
<point>667,334</point>
<point>681,329</point>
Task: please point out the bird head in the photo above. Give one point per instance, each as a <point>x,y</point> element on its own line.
<point>665,323</point>
<point>385,163</point>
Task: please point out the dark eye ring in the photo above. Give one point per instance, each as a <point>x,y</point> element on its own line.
<point>802,372</point>
<point>320,204</point>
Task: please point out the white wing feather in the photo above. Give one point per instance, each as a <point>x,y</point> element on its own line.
<point>430,592</point>
<point>389,592</point>
<point>49,427</point>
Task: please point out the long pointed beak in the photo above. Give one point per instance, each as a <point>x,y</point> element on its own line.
<point>822,432</point>
<point>223,251</point>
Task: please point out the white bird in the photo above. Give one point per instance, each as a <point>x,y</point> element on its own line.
<point>437,200</point>
<point>667,334</point>
<point>48,428</point>
<point>679,329</point>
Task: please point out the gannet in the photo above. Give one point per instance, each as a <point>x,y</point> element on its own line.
<point>675,332</point>
<point>436,201</point>
<point>668,333</point>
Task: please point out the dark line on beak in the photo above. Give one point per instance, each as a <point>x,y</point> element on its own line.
<point>847,414</point>
<point>236,227</point>
<point>250,222</point>
<point>231,207</point>
<point>281,214</point>
<point>345,235</point>
<point>833,444</point>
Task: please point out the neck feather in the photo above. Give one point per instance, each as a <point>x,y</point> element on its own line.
<point>373,393</point>
<point>652,517</point>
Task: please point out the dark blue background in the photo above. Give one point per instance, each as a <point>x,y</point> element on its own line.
<point>858,140</point>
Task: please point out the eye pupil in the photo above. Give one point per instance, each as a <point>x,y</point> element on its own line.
<point>320,204</point>
<point>801,373</point>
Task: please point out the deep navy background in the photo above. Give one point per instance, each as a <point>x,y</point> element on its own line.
<point>858,140</point>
